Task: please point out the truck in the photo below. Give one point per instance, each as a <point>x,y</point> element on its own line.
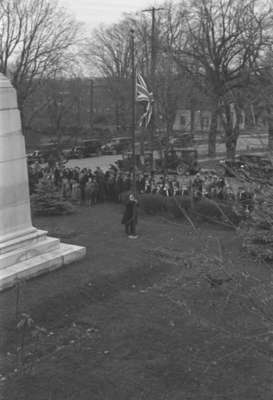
<point>90,147</point>
<point>180,160</point>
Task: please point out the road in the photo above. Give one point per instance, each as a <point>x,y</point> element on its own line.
<point>103,162</point>
<point>245,142</point>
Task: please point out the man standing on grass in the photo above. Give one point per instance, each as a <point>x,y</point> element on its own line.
<point>129,218</point>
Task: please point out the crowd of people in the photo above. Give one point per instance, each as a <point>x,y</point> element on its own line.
<point>93,186</point>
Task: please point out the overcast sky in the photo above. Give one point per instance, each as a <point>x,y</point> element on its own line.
<point>96,12</point>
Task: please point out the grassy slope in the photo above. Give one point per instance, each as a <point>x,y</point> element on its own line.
<point>138,319</point>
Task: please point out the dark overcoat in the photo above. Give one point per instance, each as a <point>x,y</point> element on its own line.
<point>130,213</point>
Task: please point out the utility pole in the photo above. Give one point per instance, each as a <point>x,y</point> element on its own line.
<point>91,106</point>
<point>153,10</point>
<point>1,55</point>
<point>133,127</point>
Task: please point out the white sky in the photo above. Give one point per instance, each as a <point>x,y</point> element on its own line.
<point>96,12</point>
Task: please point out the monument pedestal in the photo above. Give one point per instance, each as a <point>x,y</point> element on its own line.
<point>35,253</point>
<point>25,251</point>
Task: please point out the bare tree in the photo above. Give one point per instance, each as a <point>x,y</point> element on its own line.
<point>174,84</point>
<point>35,39</point>
<point>260,95</point>
<point>64,109</point>
<point>108,50</point>
<point>224,39</point>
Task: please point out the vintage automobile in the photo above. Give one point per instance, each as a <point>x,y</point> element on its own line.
<point>231,168</point>
<point>34,156</point>
<point>91,147</point>
<point>172,161</point>
<point>184,140</point>
<point>44,154</point>
<point>74,152</point>
<point>116,145</point>
<point>248,165</point>
<point>180,160</point>
<point>127,162</point>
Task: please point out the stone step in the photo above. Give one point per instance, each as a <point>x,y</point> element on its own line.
<point>46,245</point>
<point>65,254</point>
<point>23,241</point>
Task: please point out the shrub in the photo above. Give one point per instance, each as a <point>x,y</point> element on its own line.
<point>47,200</point>
<point>152,204</point>
<point>179,206</point>
<point>208,208</point>
<point>257,231</point>
<point>215,210</point>
<point>176,205</point>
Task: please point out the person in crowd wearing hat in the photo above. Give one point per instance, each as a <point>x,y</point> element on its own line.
<point>197,186</point>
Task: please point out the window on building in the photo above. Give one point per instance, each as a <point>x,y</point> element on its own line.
<point>205,122</point>
<point>182,120</point>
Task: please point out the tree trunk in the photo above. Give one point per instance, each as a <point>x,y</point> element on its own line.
<point>192,118</point>
<point>23,125</point>
<point>117,116</point>
<point>169,124</point>
<point>231,142</point>
<point>270,133</point>
<point>231,131</point>
<point>212,135</point>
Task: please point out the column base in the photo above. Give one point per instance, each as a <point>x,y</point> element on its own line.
<point>34,254</point>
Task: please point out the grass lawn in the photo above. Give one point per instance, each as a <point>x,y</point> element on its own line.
<point>177,314</point>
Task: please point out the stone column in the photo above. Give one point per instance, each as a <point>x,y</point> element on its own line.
<point>25,251</point>
<point>15,218</point>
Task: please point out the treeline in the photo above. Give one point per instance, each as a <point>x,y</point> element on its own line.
<point>213,54</point>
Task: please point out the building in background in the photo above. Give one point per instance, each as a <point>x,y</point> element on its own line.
<point>201,121</point>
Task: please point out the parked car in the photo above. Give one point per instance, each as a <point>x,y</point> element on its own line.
<point>256,160</point>
<point>231,167</point>
<point>116,145</point>
<point>107,149</point>
<point>127,161</point>
<point>248,164</point>
<point>74,152</point>
<point>67,153</point>
<point>182,140</point>
<point>91,147</point>
<point>34,156</point>
<point>180,160</point>
<point>172,161</point>
<point>45,153</point>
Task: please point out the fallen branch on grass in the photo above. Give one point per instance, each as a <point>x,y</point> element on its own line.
<point>241,352</point>
<point>185,215</point>
<point>226,218</point>
<point>215,221</point>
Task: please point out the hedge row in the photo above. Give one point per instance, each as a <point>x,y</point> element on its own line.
<point>185,206</point>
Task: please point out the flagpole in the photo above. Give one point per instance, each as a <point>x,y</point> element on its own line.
<point>133,107</point>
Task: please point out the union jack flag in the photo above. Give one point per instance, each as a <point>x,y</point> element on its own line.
<point>143,95</point>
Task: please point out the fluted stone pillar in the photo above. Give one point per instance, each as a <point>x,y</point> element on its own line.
<point>25,251</point>
<point>15,219</point>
